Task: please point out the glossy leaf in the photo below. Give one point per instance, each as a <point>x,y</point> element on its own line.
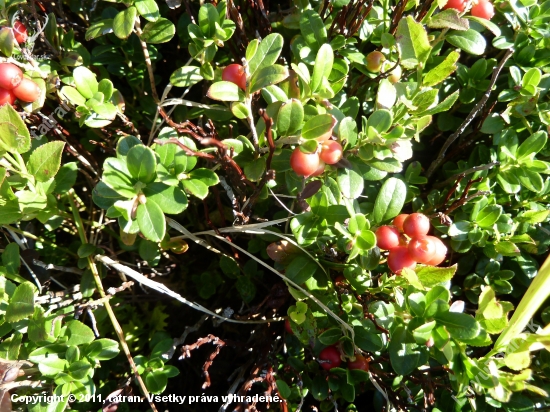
<point>267,53</point>
<point>470,41</point>
<point>151,221</point>
<point>123,23</point>
<point>158,31</point>
<point>186,76</point>
<point>268,76</point>
<point>390,200</point>
<point>148,9</point>
<point>141,163</point>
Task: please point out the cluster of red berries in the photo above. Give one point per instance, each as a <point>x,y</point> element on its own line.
<point>481,8</point>
<point>415,247</point>
<point>14,86</point>
<point>313,164</point>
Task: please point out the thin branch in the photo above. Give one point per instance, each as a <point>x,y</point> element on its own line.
<point>148,64</point>
<point>465,172</point>
<point>440,157</point>
<point>159,287</point>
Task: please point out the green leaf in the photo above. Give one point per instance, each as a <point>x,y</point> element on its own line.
<point>404,352</point>
<point>532,145</point>
<point>283,388</point>
<point>156,381</point>
<point>117,177</point>
<point>380,120</point>
<point>78,333</point>
<point>470,41</point>
<point>85,250</point>
<point>530,180</point>
<point>442,70</point>
<point>350,183</point>
<point>448,19</point>
<point>52,366</point>
<point>412,40</point>
<point>322,67</point>
<point>318,126</point>
<point>492,27</point>
<point>301,269</point>
<point>330,336</point>
<point>171,199</point>
<point>507,248</point>
<point>148,9</point>
<point>159,31</point>
<point>225,92</point>
<point>73,95</point>
<point>11,258</point>
<point>151,221</point>
<point>267,53</point>
<point>366,339</point>
<point>142,163</point>
<point>21,303</point>
<point>444,106</point>
<point>534,216</point>
<point>313,29</point>
<point>531,78</point>
<point>390,200</point>
<point>99,28</point>
<point>195,187</point>
<point>45,160</point>
<point>208,16</point>
<point>290,117</point>
<point>79,369</point>
<point>431,276</point>
<point>206,176</point>
<point>103,349</point>
<point>186,76</point>
<point>459,325</point>
<point>85,82</point>
<point>268,76</point>
<point>14,135</point>
<point>7,41</point>
<point>123,23</point>
<point>488,216</point>
<point>105,87</point>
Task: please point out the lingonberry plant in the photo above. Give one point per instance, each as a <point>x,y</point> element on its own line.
<point>343,203</point>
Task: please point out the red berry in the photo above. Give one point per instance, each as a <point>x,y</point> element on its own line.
<point>320,169</point>
<point>331,152</point>
<point>331,358</point>
<point>416,225</point>
<point>10,76</point>
<point>483,9</point>
<point>20,32</point>
<point>455,4</point>
<point>6,96</point>
<point>304,164</point>
<point>387,237</point>
<point>422,249</point>
<point>440,252</point>
<point>288,328</point>
<point>374,61</point>
<point>360,363</point>
<point>398,221</point>
<point>399,258</point>
<point>395,75</point>
<point>234,73</point>
<point>27,91</point>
